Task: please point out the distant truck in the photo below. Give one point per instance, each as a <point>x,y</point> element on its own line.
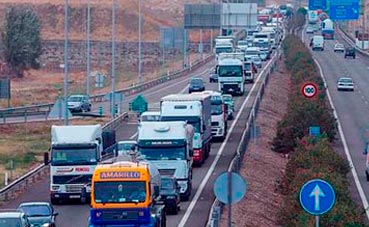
<point>75,152</point>
<point>328,29</point>
<point>169,146</point>
<point>219,126</point>
<point>231,75</point>
<point>195,109</point>
<point>126,193</point>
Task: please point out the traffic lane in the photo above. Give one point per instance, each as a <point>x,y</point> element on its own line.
<point>200,173</point>
<point>351,109</point>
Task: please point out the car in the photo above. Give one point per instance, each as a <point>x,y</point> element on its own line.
<point>350,52</point>
<point>229,102</point>
<point>39,213</point>
<point>242,44</point>
<point>345,83</point>
<point>257,61</point>
<point>13,218</point>
<point>196,84</point>
<point>310,30</point>
<point>79,103</point>
<point>150,116</point>
<point>339,47</point>
<point>125,146</point>
<point>170,194</point>
<point>213,78</point>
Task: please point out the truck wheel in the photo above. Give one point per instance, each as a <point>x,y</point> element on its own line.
<point>367,176</point>
<point>54,201</point>
<point>164,220</point>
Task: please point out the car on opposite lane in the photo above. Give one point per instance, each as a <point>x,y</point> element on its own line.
<point>13,218</point>
<point>126,146</point>
<point>79,103</point>
<point>196,84</point>
<point>339,47</point>
<point>39,213</point>
<point>345,83</point>
<point>350,52</point>
<point>257,61</point>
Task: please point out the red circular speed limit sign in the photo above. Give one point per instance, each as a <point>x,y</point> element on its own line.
<point>309,90</point>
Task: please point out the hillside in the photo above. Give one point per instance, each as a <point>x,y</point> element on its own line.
<point>155,13</point>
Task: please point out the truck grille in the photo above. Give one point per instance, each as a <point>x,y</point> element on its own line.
<point>214,123</point>
<point>119,215</point>
<point>228,87</point>
<point>167,172</point>
<point>73,188</point>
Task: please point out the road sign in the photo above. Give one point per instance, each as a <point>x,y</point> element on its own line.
<point>317,197</point>
<point>314,131</point>
<point>139,104</point>
<point>344,10</point>
<point>317,4</point>
<point>5,88</point>
<point>309,90</point>
<point>58,110</point>
<point>238,188</point>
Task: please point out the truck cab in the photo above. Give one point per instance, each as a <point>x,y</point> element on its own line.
<point>231,76</point>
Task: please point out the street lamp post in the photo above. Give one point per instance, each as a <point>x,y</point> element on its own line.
<point>66,34</point>
<point>88,48</point>
<point>139,43</point>
<point>112,109</point>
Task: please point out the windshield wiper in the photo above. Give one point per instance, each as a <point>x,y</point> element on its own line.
<point>74,178</point>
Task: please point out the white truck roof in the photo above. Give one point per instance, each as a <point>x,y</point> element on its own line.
<point>178,108</point>
<point>239,56</point>
<point>162,130</point>
<point>75,133</point>
<point>185,97</point>
<point>229,61</point>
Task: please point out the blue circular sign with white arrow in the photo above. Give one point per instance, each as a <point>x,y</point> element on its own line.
<point>317,197</point>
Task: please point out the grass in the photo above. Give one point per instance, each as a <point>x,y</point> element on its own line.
<point>25,144</point>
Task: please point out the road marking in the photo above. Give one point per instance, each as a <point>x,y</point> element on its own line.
<point>220,151</point>
<point>347,152</point>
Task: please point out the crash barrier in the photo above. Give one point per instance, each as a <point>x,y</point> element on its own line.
<point>236,162</point>
<point>21,183</point>
<point>25,112</point>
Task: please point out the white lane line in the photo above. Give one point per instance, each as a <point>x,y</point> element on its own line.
<point>220,151</point>
<point>133,136</point>
<point>347,151</point>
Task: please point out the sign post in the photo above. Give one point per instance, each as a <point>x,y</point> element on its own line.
<point>229,188</point>
<point>317,197</point>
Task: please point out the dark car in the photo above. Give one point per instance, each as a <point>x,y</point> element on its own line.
<point>39,213</point>
<point>196,84</point>
<point>350,52</point>
<point>170,194</point>
<point>79,103</point>
<point>213,78</point>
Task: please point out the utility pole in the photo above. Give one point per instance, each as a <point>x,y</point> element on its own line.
<point>88,48</point>
<point>139,43</point>
<point>112,109</point>
<point>66,38</point>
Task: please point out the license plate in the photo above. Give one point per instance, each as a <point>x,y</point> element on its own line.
<point>74,196</point>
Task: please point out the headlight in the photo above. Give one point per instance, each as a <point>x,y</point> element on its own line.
<point>46,225</point>
<point>183,185</point>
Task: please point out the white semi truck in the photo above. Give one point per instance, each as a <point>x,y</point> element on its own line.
<point>218,115</point>
<point>75,152</point>
<point>230,72</point>
<point>169,146</point>
<point>195,109</point>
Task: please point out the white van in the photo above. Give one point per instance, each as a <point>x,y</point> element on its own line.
<point>150,116</point>
<point>317,42</point>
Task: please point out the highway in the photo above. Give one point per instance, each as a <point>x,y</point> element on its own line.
<point>201,201</point>
<point>351,107</point>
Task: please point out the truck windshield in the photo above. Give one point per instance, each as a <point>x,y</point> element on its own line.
<point>216,109</point>
<point>72,179</point>
<point>252,52</point>
<point>163,153</point>
<point>231,70</point>
<point>120,192</point>
<point>219,50</point>
<point>74,156</point>
<point>10,222</point>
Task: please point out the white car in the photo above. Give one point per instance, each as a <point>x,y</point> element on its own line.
<point>345,83</point>
<point>310,30</point>
<point>338,47</point>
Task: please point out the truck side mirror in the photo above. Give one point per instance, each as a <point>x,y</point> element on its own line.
<point>203,127</point>
<point>46,158</point>
<point>191,153</point>
<point>83,195</point>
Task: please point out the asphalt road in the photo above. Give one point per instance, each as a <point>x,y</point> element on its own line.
<point>351,107</point>
<point>77,215</point>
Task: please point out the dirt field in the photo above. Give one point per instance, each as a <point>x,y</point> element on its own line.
<point>262,168</point>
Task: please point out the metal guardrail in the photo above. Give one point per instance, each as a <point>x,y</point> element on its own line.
<point>44,109</point>
<point>24,181</point>
<point>351,41</point>
<point>216,209</point>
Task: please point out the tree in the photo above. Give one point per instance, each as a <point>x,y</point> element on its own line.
<point>21,39</point>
